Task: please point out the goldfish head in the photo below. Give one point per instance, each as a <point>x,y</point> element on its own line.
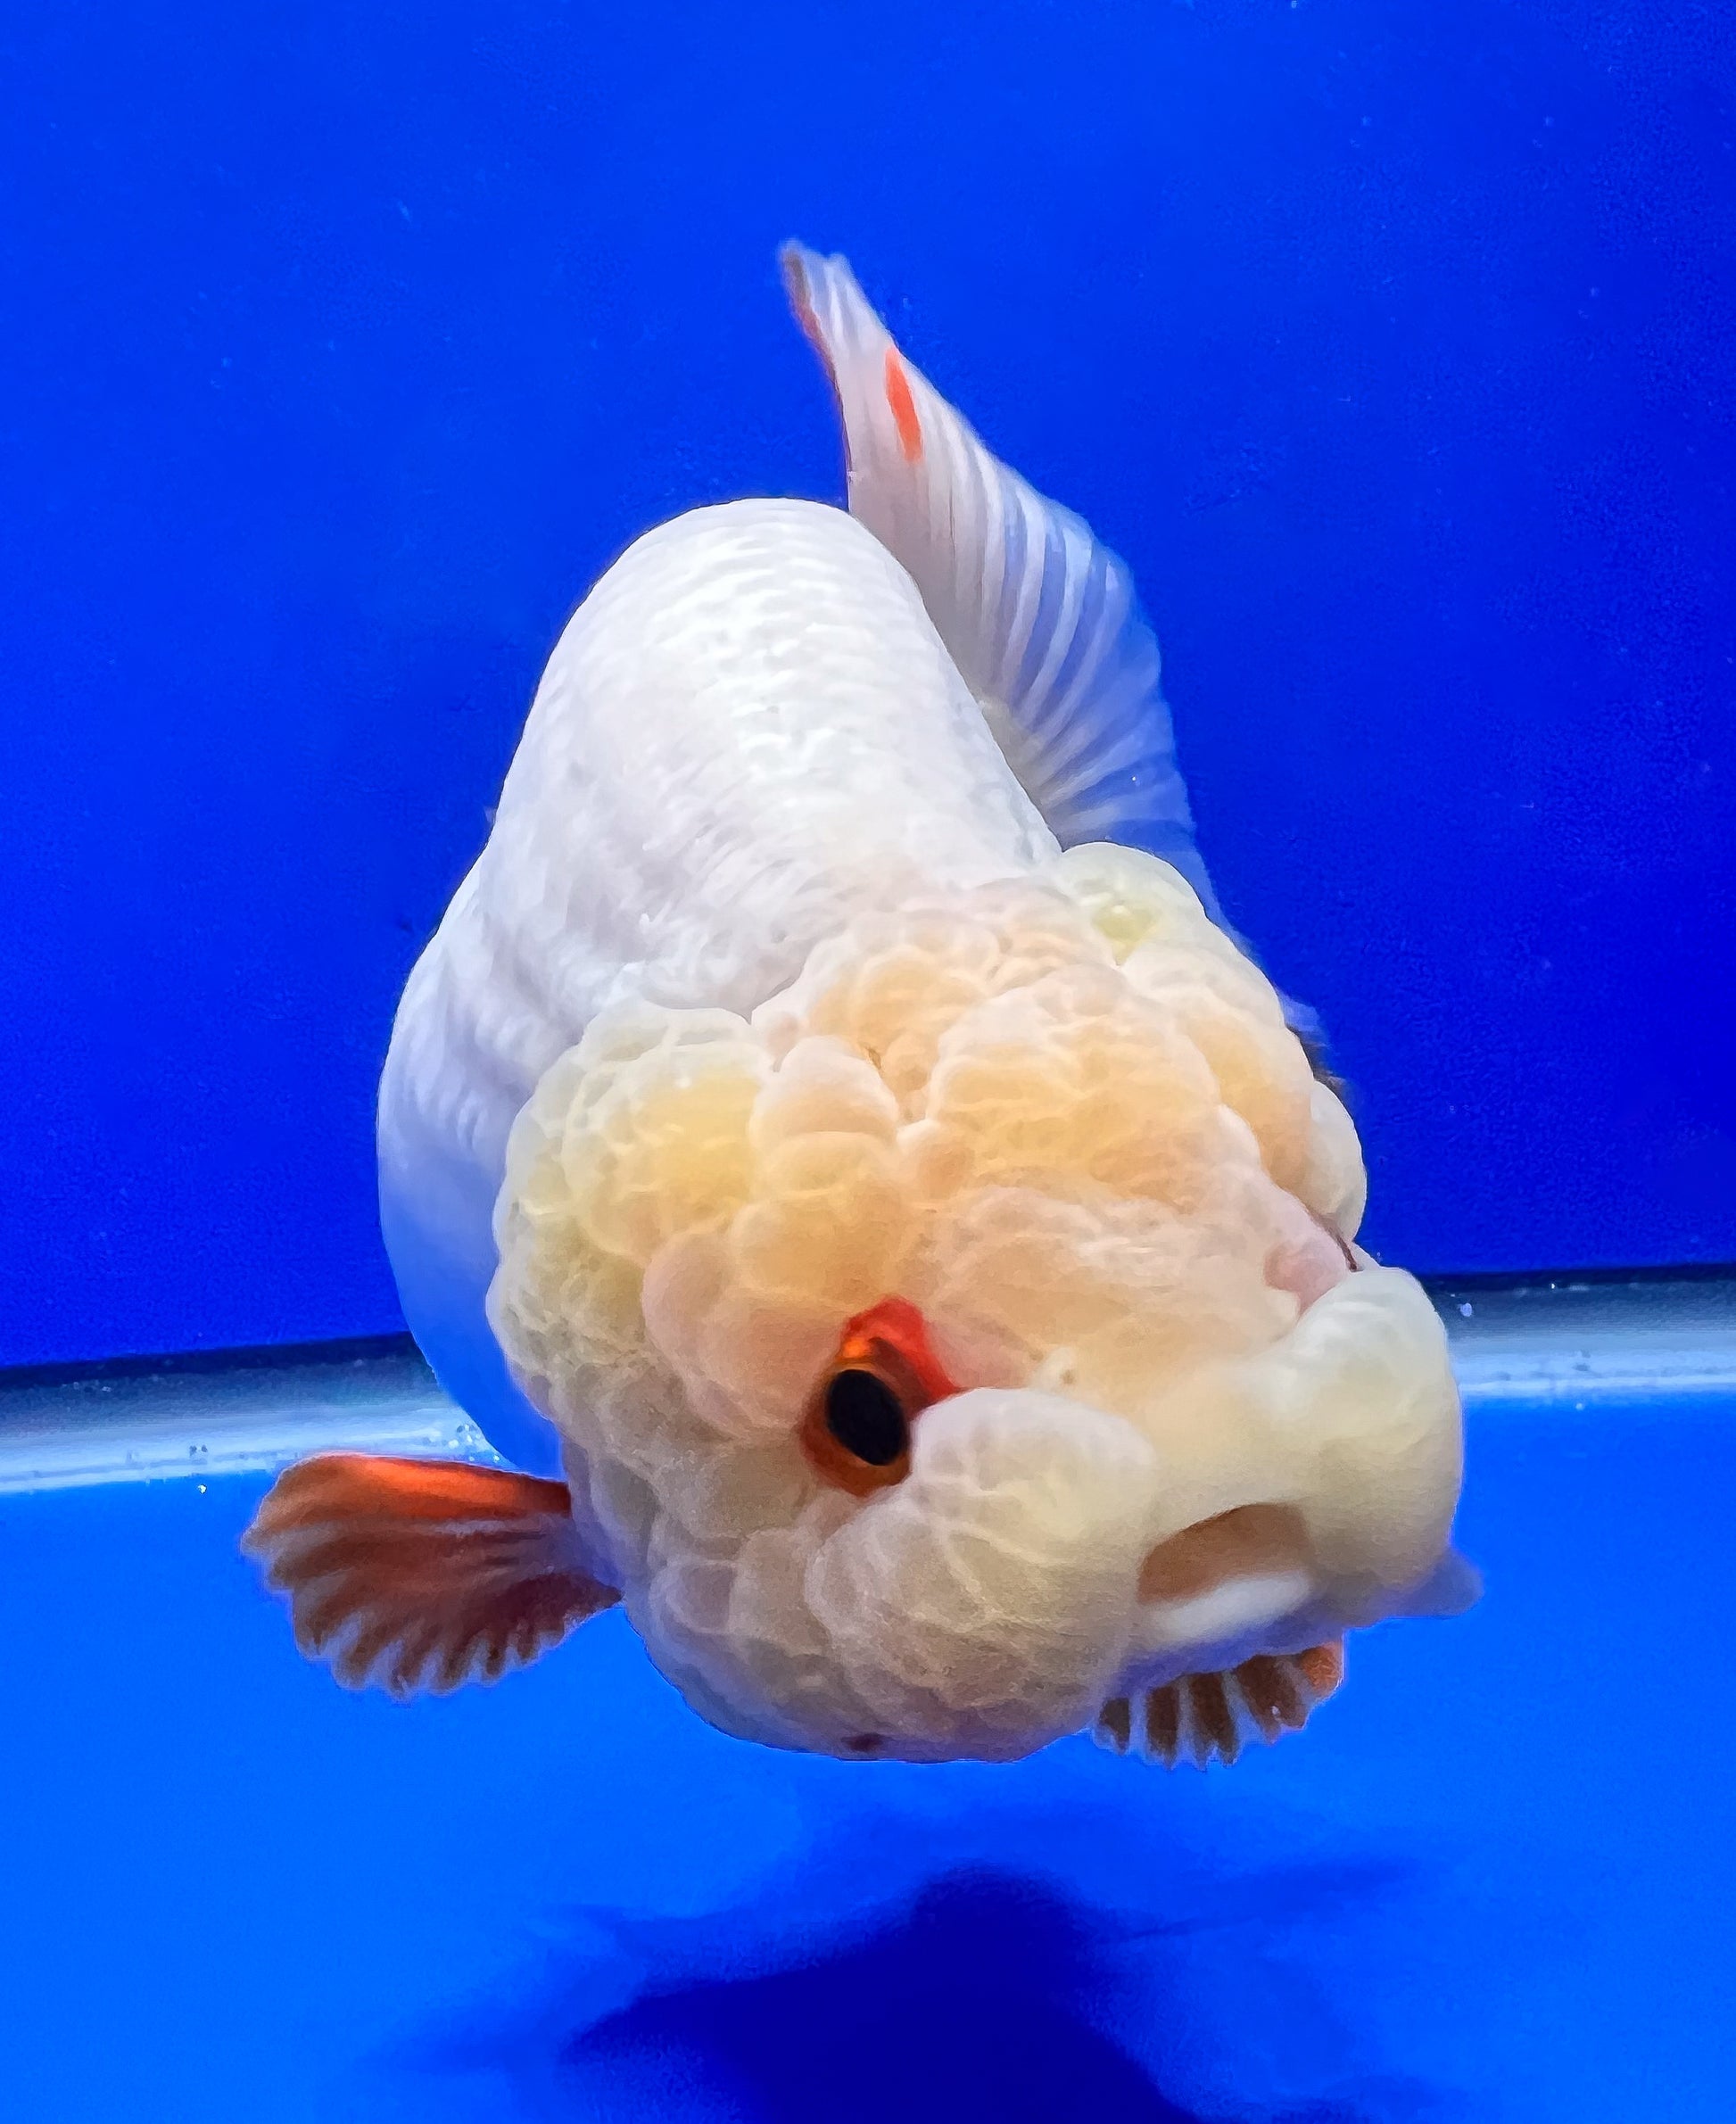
<point>970,1336</point>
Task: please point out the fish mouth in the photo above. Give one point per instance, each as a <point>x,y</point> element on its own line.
<point>1248,1541</point>
<point>1231,1579</point>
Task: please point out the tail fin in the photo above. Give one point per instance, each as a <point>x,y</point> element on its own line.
<point>1039,616</point>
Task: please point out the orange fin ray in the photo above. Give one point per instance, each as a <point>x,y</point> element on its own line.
<point>420,1575</point>
<point>1204,1718</point>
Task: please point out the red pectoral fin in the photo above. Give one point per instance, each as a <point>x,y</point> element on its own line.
<point>1204,1716</point>
<point>421,1575</point>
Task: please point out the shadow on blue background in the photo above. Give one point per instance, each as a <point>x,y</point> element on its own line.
<point>986,1994</point>
<point>1394,344</point>
<point>983,1999</point>
<point>977,1997</point>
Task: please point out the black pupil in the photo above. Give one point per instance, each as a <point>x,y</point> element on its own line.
<point>866,1417</point>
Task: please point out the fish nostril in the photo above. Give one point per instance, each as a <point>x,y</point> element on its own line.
<point>1309,1266</point>
<point>1250,1541</point>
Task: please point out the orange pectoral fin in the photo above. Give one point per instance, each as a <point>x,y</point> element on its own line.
<point>1205,1716</point>
<point>421,1575</point>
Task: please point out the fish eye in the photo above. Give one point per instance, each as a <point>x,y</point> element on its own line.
<point>866,1417</point>
<point>856,1430</point>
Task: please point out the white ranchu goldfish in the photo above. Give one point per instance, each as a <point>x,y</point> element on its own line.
<point>898,1213</point>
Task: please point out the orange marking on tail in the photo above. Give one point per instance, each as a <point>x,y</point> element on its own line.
<point>903,408</point>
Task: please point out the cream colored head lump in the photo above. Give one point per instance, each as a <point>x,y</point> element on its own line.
<point>1064,1116</point>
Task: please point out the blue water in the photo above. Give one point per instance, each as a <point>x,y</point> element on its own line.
<point>1493,1881</point>
<point>1394,342</point>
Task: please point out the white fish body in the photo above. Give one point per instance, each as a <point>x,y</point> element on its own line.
<point>748,733</point>
<point>925,1253</point>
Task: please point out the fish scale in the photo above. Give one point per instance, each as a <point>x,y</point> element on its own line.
<point>691,808</point>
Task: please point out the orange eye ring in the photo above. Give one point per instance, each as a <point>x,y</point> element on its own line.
<point>855,1429</point>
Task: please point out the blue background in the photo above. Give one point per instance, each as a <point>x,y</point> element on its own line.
<point>1394,344</point>
<point>1490,1884</point>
